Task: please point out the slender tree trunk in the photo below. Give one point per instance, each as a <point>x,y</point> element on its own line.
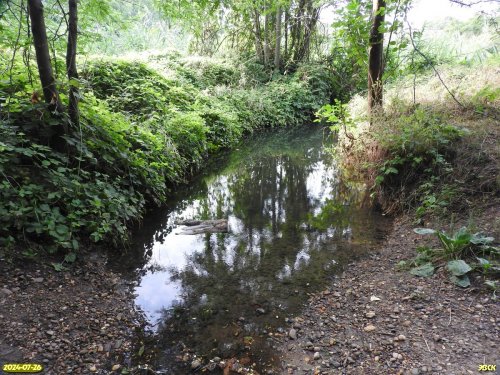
<point>297,33</point>
<point>71,62</point>
<point>50,93</point>
<point>35,8</point>
<point>267,49</point>
<point>287,21</point>
<point>258,41</point>
<point>375,59</point>
<point>277,48</point>
<point>309,31</point>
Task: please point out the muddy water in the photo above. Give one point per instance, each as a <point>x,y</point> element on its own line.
<point>293,223</point>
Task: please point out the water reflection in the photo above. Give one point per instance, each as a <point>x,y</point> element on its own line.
<point>291,222</point>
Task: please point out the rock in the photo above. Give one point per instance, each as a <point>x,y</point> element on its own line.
<point>39,280</point>
<point>415,371</point>
<point>317,349</point>
<point>92,368</point>
<point>397,356</point>
<point>316,356</point>
<point>401,338</point>
<point>369,328</point>
<point>115,367</point>
<point>195,364</point>
<point>370,314</point>
<point>5,292</point>
<point>260,311</point>
<point>50,333</point>
<point>292,334</point>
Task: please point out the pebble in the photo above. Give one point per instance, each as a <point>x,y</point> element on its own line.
<point>316,355</point>
<point>369,328</point>
<point>38,280</point>
<point>397,356</point>
<point>195,364</point>
<point>370,314</point>
<point>292,334</point>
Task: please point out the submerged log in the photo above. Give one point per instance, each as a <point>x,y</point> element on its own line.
<point>203,226</point>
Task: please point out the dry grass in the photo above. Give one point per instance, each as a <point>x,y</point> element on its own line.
<point>475,159</point>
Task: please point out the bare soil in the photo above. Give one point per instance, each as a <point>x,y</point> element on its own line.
<point>80,321</point>
<point>375,319</point>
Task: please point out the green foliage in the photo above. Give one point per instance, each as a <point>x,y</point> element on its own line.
<point>455,248</point>
<point>418,149</point>
<point>141,133</point>
<point>425,270</point>
<point>44,198</point>
<point>337,115</point>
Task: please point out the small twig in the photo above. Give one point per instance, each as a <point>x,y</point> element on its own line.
<point>429,349</point>
<point>449,322</point>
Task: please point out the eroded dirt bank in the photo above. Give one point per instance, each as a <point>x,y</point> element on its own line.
<point>375,319</point>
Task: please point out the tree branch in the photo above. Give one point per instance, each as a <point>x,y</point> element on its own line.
<point>432,65</point>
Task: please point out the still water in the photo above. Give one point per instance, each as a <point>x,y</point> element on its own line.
<point>292,225</point>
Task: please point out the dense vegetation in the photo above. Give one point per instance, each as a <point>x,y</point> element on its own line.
<point>141,134</point>
<point>84,152</point>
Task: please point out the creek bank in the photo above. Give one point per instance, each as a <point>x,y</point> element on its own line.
<point>80,321</point>
<point>374,319</point>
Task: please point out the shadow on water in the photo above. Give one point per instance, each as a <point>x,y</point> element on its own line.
<point>293,223</point>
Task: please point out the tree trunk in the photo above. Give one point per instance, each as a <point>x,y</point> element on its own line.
<point>267,49</point>
<point>35,8</point>
<point>258,41</point>
<point>300,25</point>
<point>287,21</point>
<point>50,93</point>
<point>277,48</point>
<point>375,60</point>
<point>71,62</point>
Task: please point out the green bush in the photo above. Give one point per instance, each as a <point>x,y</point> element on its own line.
<point>417,144</point>
<point>140,134</point>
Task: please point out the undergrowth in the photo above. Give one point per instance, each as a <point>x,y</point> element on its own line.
<point>145,126</point>
<point>430,156</point>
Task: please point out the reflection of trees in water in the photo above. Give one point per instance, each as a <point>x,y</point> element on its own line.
<point>283,239</point>
<point>257,266</point>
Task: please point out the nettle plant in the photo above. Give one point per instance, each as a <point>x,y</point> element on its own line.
<point>455,249</point>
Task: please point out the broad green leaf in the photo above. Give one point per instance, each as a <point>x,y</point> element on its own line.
<point>461,281</point>
<point>424,270</point>
<point>458,267</point>
<point>58,266</point>
<point>70,258</point>
<point>424,231</point>
<point>479,239</point>
<point>492,284</point>
<point>483,262</point>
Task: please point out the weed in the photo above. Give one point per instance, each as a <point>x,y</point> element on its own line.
<point>454,249</point>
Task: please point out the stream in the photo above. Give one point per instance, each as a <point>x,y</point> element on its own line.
<point>292,225</point>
